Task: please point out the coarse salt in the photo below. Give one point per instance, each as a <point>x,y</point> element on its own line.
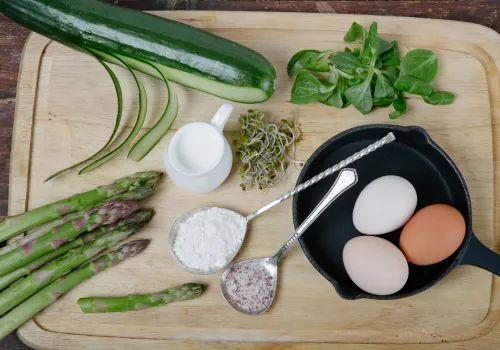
<point>250,286</point>
<point>208,240</point>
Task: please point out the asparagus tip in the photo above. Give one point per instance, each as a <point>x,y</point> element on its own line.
<point>136,246</point>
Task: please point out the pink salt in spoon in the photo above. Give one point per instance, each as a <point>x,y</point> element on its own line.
<point>250,286</point>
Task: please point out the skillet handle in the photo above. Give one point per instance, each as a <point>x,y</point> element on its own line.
<point>478,255</point>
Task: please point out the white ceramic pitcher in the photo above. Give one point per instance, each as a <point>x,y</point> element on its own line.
<point>199,158</point>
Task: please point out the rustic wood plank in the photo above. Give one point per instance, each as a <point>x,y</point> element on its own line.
<point>12,37</point>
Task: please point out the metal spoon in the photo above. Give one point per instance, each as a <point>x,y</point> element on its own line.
<point>356,156</point>
<point>346,179</point>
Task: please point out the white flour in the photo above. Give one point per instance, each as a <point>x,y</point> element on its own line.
<point>208,239</point>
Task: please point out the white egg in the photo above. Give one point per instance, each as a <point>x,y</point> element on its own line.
<point>375,265</point>
<point>384,205</point>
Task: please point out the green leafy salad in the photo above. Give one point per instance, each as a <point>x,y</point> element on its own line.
<point>366,77</point>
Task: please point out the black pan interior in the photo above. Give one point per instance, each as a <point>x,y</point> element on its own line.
<point>412,156</point>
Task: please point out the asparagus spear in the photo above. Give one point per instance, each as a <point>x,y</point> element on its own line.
<point>140,217</point>
<point>29,285</point>
<point>137,194</point>
<point>138,302</point>
<point>52,292</point>
<point>36,217</point>
<point>105,215</point>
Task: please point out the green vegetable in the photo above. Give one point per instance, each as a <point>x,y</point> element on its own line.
<point>390,58</point>
<point>187,291</point>
<point>439,98</point>
<point>13,225</point>
<point>373,39</point>
<point>385,46</point>
<point>184,54</point>
<point>353,33</point>
<point>412,85</point>
<point>346,60</point>
<point>382,102</point>
<point>399,105</point>
<point>97,217</point>
<point>318,66</point>
<point>119,96</point>
<point>420,64</point>
<point>383,87</point>
<point>360,97</point>
<point>29,285</point>
<point>335,99</point>
<point>154,135</point>
<point>308,88</point>
<point>365,77</point>
<point>141,117</point>
<point>56,289</point>
<point>138,194</point>
<point>140,217</point>
<point>261,147</point>
<point>302,59</point>
<point>392,73</point>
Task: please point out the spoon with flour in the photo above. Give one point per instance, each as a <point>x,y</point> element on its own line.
<point>205,240</point>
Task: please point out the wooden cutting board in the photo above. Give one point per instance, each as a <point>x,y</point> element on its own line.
<point>65,111</point>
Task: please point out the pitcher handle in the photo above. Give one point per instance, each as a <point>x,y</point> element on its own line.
<point>221,116</point>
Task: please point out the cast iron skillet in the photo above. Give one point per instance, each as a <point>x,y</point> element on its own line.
<point>413,156</point>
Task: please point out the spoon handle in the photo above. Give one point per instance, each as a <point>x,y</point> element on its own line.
<point>346,179</point>
<point>356,156</point>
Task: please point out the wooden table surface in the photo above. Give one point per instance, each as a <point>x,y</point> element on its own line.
<point>12,37</point>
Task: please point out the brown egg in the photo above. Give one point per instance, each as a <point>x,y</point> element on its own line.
<point>432,234</point>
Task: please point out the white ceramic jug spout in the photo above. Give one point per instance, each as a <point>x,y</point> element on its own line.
<point>221,116</point>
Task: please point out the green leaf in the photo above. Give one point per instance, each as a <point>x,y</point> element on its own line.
<point>361,97</point>
<point>373,39</point>
<point>421,64</point>
<point>395,115</point>
<point>399,105</point>
<point>413,86</point>
<point>383,87</point>
<point>343,88</point>
<point>385,45</point>
<point>318,66</point>
<point>391,57</point>
<point>307,88</point>
<point>356,52</point>
<point>326,89</point>
<point>345,60</point>
<point>382,102</point>
<point>439,98</point>
<point>333,77</point>
<point>300,60</point>
<point>355,81</point>
<point>335,99</point>
<point>354,31</point>
<point>392,73</point>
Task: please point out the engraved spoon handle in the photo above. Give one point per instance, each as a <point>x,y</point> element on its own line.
<point>346,179</point>
<point>356,156</point>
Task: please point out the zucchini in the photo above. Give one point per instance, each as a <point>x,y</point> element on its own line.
<point>183,54</point>
<point>155,134</point>
<point>141,117</point>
